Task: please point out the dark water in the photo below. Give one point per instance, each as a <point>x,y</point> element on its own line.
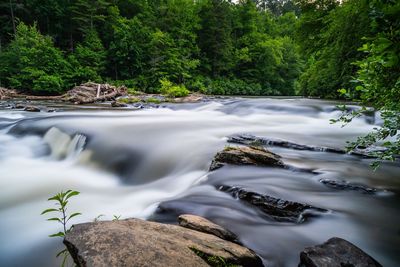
<point>129,163</point>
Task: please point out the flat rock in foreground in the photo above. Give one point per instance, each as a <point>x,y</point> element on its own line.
<point>203,225</point>
<point>135,242</point>
<point>257,156</point>
<point>336,252</point>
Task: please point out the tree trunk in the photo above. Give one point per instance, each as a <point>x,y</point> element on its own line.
<point>12,18</point>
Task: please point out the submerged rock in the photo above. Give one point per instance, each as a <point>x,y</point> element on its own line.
<point>274,208</point>
<point>256,156</point>
<point>32,109</point>
<point>343,185</point>
<point>248,139</point>
<point>203,225</point>
<point>116,104</point>
<point>336,252</point>
<point>135,242</point>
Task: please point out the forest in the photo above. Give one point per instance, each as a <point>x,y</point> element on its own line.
<point>323,48</point>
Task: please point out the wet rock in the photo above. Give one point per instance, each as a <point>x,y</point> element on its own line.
<point>116,104</point>
<point>343,185</point>
<point>248,139</point>
<point>256,156</point>
<point>336,252</point>
<point>32,109</point>
<point>274,208</point>
<point>192,98</point>
<point>203,225</point>
<point>19,106</point>
<point>136,242</point>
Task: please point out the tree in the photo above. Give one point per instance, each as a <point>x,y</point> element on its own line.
<point>89,59</point>
<point>31,62</point>
<point>378,80</point>
<point>215,40</point>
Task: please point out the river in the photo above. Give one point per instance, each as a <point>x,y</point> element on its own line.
<point>125,163</point>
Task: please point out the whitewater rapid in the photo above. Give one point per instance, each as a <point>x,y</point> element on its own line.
<point>125,163</point>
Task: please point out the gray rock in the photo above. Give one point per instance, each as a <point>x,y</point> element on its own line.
<point>203,225</point>
<point>344,185</point>
<point>116,104</point>
<point>135,242</point>
<point>336,252</point>
<point>32,109</point>
<point>257,156</point>
<point>273,208</point>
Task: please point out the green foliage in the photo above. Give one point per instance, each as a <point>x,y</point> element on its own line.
<point>213,261</point>
<point>378,81</point>
<point>32,63</point>
<point>172,90</point>
<point>62,216</point>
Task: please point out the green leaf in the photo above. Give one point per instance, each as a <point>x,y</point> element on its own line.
<point>61,252</point>
<point>71,194</point>
<point>73,215</point>
<point>48,210</point>
<point>55,219</point>
<point>59,234</point>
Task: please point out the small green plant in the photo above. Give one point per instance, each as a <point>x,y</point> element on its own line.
<point>153,100</point>
<point>62,217</point>
<point>172,90</point>
<point>116,217</point>
<point>212,260</point>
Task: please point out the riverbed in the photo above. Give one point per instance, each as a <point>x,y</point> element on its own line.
<point>129,163</point>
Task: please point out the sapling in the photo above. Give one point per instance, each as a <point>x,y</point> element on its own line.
<point>62,216</point>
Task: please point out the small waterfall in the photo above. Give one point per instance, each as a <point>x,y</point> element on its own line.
<point>62,145</point>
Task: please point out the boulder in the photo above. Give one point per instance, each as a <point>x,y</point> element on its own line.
<point>336,252</point>
<point>344,185</point>
<point>32,109</point>
<point>273,208</point>
<point>116,104</point>
<point>94,92</point>
<point>257,156</point>
<point>203,225</point>
<point>135,242</point>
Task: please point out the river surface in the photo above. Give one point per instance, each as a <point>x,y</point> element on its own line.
<point>125,163</point>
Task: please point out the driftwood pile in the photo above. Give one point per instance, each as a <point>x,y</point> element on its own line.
<point>7,93</point>
<point>94,92</point>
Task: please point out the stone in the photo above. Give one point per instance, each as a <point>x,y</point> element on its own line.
<point>32,109</point>
<point>344,185</point>
<point>273,208</point>
<point>116,104</point>
<point>336,252</point>
<point>203,225</point>
<point>135,242</point>
<point>257,156</point>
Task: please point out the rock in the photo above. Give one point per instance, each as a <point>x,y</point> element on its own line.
<point>94,92</point>
<point>257,156</point>
<point>135,242</point>
<point>343,185</point>
<point>116,104</point>
<point>19,106</point>
<point>32,109</point>
<point>336,252</point>
<point>274,208</point>
<point>248,139</point>
<point>192,98</point>
<point>203,225</point>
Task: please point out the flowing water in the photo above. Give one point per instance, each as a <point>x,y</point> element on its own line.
<point>128,162</point>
